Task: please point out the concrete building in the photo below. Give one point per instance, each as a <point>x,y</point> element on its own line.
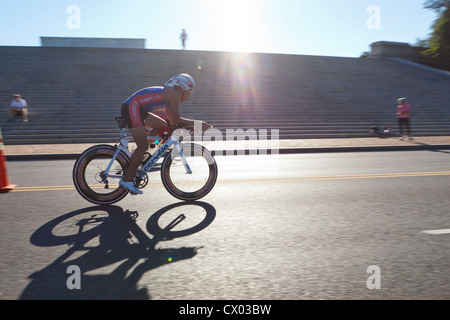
<point>93,42</point>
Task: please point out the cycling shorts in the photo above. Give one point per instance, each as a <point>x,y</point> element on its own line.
<point>133,119</point>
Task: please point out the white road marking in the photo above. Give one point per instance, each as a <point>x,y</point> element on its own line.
<point>437,231</point>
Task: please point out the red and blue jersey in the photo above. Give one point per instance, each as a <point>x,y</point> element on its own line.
<point>150,99</point>
<point>145,100</point>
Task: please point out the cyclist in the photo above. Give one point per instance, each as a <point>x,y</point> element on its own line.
<point>139,112</point>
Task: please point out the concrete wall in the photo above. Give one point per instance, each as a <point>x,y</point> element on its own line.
<point>387,49</point>
<point>93,42</point>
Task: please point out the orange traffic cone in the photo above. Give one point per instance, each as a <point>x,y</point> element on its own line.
<point>5,186</point>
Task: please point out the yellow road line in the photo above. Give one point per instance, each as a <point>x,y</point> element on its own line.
<point>346,177</point>
<point>338,177</point>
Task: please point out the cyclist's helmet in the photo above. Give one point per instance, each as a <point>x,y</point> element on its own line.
<point>183,80</point>
<point>401,100</point>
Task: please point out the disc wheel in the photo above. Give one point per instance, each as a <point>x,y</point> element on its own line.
<point>90,179</point>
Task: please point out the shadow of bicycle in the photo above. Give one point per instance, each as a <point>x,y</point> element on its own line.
<point>108,237</point>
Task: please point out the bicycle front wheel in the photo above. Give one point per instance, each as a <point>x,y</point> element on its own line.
<point>190,178</point>
<point>90,179</point>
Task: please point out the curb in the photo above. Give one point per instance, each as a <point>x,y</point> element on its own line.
<point>74,156</point>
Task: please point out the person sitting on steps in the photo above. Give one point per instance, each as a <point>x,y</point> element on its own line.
<point>19,107</point>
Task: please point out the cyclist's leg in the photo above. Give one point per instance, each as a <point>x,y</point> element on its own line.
<point>140,138</point>
<point>155,122</point>
<point>133,116</point>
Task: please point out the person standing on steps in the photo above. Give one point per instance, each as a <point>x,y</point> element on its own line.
<point>183,38</point>
<point>403,115</point>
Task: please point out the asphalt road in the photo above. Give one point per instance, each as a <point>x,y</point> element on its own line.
<point>308,226</point>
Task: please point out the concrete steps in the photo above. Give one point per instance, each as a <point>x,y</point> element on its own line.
<point>74,93</point>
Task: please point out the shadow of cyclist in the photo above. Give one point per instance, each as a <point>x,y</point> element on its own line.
<point>104,237</point>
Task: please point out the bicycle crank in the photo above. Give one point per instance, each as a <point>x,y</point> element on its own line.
<point>140,179</point>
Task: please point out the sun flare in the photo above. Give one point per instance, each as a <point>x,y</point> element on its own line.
<point>237,23</point>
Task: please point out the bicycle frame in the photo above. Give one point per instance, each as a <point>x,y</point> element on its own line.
<point>178,179</point>
<point>151,161</point>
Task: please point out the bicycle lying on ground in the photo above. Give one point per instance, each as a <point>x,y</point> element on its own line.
<point>188,170</point>
<point>383,132</point>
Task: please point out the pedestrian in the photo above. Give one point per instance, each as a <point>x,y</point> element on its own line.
<point>403,116</point>
<point>183,38</point>
<point>138,112</point>
<point>19,107</point>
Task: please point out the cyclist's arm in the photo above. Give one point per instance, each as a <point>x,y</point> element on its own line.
<point>173,111</point>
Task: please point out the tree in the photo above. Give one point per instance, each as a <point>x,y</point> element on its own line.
<point>439,42</point>
<point>437,5</point>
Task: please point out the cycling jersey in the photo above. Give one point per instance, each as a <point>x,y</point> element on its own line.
<point>136,107</point>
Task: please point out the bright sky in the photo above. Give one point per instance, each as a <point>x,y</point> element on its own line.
<point>312,27</point>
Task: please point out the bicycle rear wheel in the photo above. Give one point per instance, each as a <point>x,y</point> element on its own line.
<point>89,175</point>
<point>189,186</point>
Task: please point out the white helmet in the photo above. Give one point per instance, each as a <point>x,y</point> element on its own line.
<point>183,80</point>
<point>401,100</point>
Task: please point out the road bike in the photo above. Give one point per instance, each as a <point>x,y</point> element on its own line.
<point>188,170</point>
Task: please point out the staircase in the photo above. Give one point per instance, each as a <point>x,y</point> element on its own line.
<point>74,93</point>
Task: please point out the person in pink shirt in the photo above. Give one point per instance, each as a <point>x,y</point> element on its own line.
<point>403,113</point>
